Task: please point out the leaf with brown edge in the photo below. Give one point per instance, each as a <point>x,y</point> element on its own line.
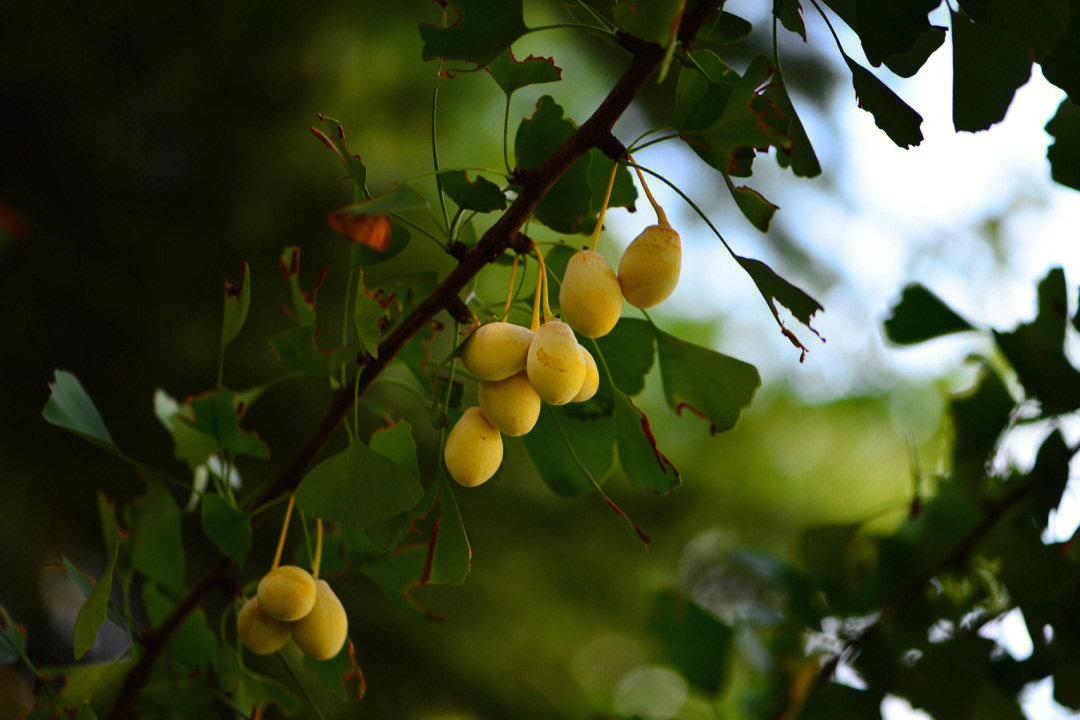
<point>352,162</point>
<point>370,230</point>
<point>303,302</point>
<point>776,289</point>
<point>899,121</point>
<point>481,30</point>
<point>643,462</point>
<point>758,210</point>
<point>341,674</point>
<point>217,414</point>
<point>237,302</point>
<point>512,74</point>
<point>789,13</point>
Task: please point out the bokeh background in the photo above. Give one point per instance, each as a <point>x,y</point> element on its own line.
<point>147,149</point>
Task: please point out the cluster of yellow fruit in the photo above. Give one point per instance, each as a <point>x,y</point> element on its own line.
<point>518,367</point>
<point>292,602</point>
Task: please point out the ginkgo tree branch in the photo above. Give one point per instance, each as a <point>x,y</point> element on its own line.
<point>535,182</point>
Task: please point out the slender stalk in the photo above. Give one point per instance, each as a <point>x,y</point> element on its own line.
<point>661,217</point>
<point>510,289</point>
<point>603,208</point>
<point>654,141</point>
<point>405,221</point>
<point>284,532</point>
<point>318,548</point>
<point>506,133</point>
<point>536,295</point>
<point>435,155</point>
<point>303,690</point>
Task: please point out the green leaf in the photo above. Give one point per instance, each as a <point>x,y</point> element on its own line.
<point>480,195</point>
<point>789,12</point>
<point>303,302</point>
<point>357,486</point>
<point>1037,23</point>
<point>1062,65</point>
<point>1050,475</point>
<point>723,28</point>
<point>753,204</point>
<point>339,674</point>
<point>978,420</point>
<point>216,415</point>
<point>193,644</point>
<point>565,207</point>
<point>713,386</point>
<point>189,445</point>
<point>70,408</point>
<point>891,114</point>
<point>558,436</point>
<point>1064,152</point>
<point>1036,350</point>
<point>257,691</point>
<point>85,585</point>
<point>642,461</point>
<point>95,683</point>
<point>335,140</point>
<point>628,352</point>
<point>227,527</point>
<point>237,302</point>
<point>695,640</point>
<point>397,445</point>
<point>919,316</point>
<point>798,153</point>
<point>156,544</point>
<point>298,348</point>
<point>700,98</point>
<point>110,529</point>
<point>512,74</point>
<point>404,198</point>
<point>12,638</point>
<point>452,557</point>
<point>92,614</point>
<point>776,289</point>
<point>652,20</point>
<point>477,31</point>
<point>369,317</point>
<point>988,66</point>
<point>833,700</point>
<point>908,63</point>
<point>86,713</point>
<point>890,28</point>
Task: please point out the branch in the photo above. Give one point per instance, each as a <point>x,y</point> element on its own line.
<point>494,243</point>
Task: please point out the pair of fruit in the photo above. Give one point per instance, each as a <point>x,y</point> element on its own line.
<point>591,295</point>
<point>517,369</point>
<point>290,601</point>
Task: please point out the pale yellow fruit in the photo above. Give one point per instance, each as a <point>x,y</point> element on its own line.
<point>286,593</point>
<point>590,297</point>
<point>555,366</point>
<point>592,378</point>
<point>511,405</point>
<point>497,350</point>
<point>474,449</point>
<point>260,634</point>
<point>321,633</point>
<point>649,269</point>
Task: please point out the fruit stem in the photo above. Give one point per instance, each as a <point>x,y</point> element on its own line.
<point>510,289</point>
<point>536,296</point>
<point>548,315</point>
<point>661,218</point>
<point>603,209</point>
<point>284,531</point>
<point>318,549</point>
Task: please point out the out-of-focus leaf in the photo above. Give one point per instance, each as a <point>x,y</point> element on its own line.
<point>643,462</point>
<point>335,140</point>
<point>480,194</point>
<point>921,315</point>
<point>189,445</point>
<point>12,638</point>
<point>85,585</point>
<point>1050,475</point>
<point>565,207</point>
<point>249,691</point>
<point>398,574</point>
<point>1037,23</point>
<point>193,644</point>
<point>832,701</point>
<point>978,420</point>
<point>357,486</point>
<point>512,74</point>
<point>86,713</point>
<point>156,543</point>
<point>452,556</point>
<point>1062,65</point>
<point>1036,350</point>
<point>891,114</point>
<point>652,20</point>
<point>695,640</point>
<point>92,614</point>
<point>711,385</point>
<point>303,302</point>
<point>776,289</point>
<point>227,527</point>
<point>789,13</point>
<point>366,230</point>
<point>93,683</point>
<point>298,348</point>
<point>753,204</point>
<point>891,28</point>
<point>592,440</point>
<point>70,408</point>
<point>369,317</point>
<point>723,28</point>
<point>237,302</point>
<point>340,674</point>
<point>216,415</point>
<point>1064,152</point>
<point>628,352</point>
<point>988,66</point>
<point>362,255</point>
<point>477,31</point>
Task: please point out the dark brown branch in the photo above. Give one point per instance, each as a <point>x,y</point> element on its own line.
<point>494,243</point>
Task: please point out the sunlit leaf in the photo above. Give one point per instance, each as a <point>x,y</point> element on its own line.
<point>70,408</point>
<point>753,204</point>
<point>695,640</point>
<point>480,194</point>
<point>156,545</point>
<point>357,486</point>
<point>512,74</point>
<point>988,66</point>
<point>237,301</point>
<point>643,462</point>
<point>92,614</point>
<point>558,437</point>
<point>919,316</point>
<point>776,289</point>
<point>711,385</point>
<point>891,114</point>
<point>477,31</point>
<point>217,415</point>
<point>227,527</point>
<point>653,20</point>
<point>628,352</point>
<point>1064,152</point>
<point>701,97</point>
